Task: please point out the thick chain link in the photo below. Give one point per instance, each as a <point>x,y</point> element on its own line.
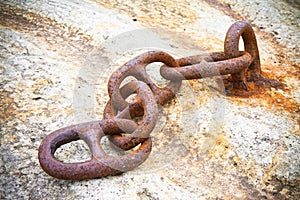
<point>119,115</point>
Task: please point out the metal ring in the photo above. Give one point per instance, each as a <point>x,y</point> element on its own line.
<point>100,164</point>
<point>136,68</point>
<point>150,114</point>
<point>231,48</point>
<point>206,65</point>
<point>231,45</point>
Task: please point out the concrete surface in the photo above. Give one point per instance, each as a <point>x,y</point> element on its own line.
<point>57,56</point>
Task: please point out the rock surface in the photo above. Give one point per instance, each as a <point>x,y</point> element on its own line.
<point>56,58</point>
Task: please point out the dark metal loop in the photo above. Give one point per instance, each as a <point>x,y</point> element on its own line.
<point>146,101</point>
<point>136,68</point>
<point>206,65</point>
<point>100,164</point>
<point>231,49</point>
<point>131,111</point>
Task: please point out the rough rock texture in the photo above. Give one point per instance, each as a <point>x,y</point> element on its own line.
<point>56,58</point>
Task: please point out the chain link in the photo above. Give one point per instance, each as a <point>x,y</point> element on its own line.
<point>119,116</point>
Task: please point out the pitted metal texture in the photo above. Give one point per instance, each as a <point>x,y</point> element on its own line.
<point>119,123</point>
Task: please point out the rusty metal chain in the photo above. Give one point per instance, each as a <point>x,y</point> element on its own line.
<point>119,124</point>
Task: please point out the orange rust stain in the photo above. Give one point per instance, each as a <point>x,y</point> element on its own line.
<point>275,70</point>
<point>195,85</point>
<point>220,147</point>
<point>210,44</point>
<point>8,108</point>
<point>278,97</point>
<point>272,94</point>
<point>237,160</point>
<point>69,111</point>
<point>279,68</point>
<point>13,138</point>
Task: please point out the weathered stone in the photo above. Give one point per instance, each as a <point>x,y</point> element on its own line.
<point>56,58</point>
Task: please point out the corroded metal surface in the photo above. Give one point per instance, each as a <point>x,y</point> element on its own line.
<point>253,155</point>
<point>137,68</point>
<point>101,164</point>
